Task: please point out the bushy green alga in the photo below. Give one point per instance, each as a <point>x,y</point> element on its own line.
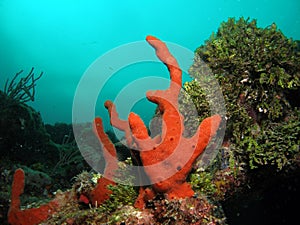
<point>258,70</point>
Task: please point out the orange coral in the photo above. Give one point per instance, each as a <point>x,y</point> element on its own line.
<point>101,192</point>
<point>118,123</point>
<point>32,216</point>
<point>167,159</point>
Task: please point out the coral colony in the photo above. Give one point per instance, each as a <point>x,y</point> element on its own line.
<point>160,156</point>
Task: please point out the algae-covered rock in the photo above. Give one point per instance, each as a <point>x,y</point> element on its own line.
<point>258,70</point>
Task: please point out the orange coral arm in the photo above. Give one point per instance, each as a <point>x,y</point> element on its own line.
<point>166,57</point>
<point>101,192</point>
<point>109,151</point>
<point>32,216</point>
<point>118,123</point>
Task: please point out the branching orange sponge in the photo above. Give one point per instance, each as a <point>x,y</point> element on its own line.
<point>168,158</point>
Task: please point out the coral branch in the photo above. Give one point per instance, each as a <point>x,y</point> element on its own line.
<point>17,189</point>
<point>24,90</point>
<point>101,191</point>
<point>123,125</point>
<point>118,123</point>
<point>166,57</point>
<point>109,151</point>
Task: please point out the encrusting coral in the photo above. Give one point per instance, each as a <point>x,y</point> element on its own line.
<point>167,158</point>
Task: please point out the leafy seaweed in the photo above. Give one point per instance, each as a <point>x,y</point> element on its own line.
<point>258,70</point>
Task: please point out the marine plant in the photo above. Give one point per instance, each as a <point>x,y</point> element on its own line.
<point>259,72</point>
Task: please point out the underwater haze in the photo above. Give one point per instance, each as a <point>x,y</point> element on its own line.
<point>63,38</point>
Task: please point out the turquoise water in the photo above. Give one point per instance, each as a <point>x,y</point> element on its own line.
<point>63,38</point>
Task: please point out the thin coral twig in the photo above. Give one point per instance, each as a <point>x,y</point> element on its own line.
<point>24,90</point>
